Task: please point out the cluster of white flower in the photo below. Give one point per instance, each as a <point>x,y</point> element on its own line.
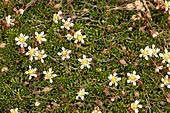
<point>32,52</point>
<point>149,52</point>
<point>9,21</point>
<point>132,78</point>
<point>48,74</point>
<point>166,59</point>
<point>167,6</point>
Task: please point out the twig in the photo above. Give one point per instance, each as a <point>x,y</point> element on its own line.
<point>30,4</point>
<point>148,11</point>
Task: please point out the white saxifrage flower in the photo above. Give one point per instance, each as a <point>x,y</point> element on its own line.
<point>9,21</point>
<point>37,103</point>
<point>31,52</point>
<point>64,54</point>
<point>158,68</point>
<point>81,94</point>
<point>153,51</point>
<point>57,17</point>
<point>166,81</point>
<point>144,52</point>
<point>14,110</point>
<point>69,37</point>
<point>85,62</point>
<point>49,75</point>
<point>67,24</point>
<point>21,40</point>
<point>133,78</point>
<point>40,55</point>
<point>165,56</point>
<point>113,79</point>
<point>135,106</point>
<point>79,37</point>
<point>167,5</point>
<point>40,37</point>
<point>96,110</point>
<point>21,11</point>
<point>31,72</point>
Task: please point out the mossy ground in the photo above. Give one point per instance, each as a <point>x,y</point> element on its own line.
<point>102,44</point>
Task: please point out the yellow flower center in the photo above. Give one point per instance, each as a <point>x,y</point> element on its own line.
<point>166,4</point>
<point>133,78</point>
<point>31,71</point>
<point>67,24</point>
<point>95,111</point>
<point>134,106</point>
<point>32,52</point>
<point>55,17</point>
<point>64,54</point>
<point>48,75</point>
<point>21,39</point>
<point>14,111</point>
<point>38,38</point>
<point>8,21</point>
<point>85,62</point>
<point>79,37</point>
<point>153,51</point>
<point>114,79</point>
<point>166,82</point>
<point>145,52</point>
<point>40,56</point>
<point>166,57</point>
<point>81,93</point>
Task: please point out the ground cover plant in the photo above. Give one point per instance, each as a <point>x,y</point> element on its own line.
<point>87,56</point>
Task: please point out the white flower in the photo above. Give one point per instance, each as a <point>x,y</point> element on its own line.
<point>14,110</point>
<point>96,110</point>
<point>154,34</point>
<point>166,81</point>
<point>113,79</point>
<point>40,55</point>
<point>165,56</point>
<point>67,24</point>
<point>21,40</point>
<point>133,78</point>
<point>40,38</point>
<point>144,52</point>
<point>31,72</point>
<point>37,103</point>
<point>113,98</point>
<point>153,51</point>
<point>9,21</point>
<point>158,68</point>
<point>57,17</point>
<point>168,66</point>
<point>21,11</point>
<point>31,52</point>
<point>49,75</point>
<point>69,37</point>
<point>79,37</point>
<point>85,62</point>
<point>65,53</point>
<point>135,106</point>
<point>167,5</point>
<point>81,94</point>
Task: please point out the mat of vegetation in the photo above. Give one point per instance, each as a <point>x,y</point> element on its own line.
<point>84,56</point>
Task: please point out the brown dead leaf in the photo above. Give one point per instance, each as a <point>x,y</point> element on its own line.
<point>85,10</point>
<point>100,104</point>
<point>123,62</point>
<point>80,104</point>
<point>47,89</point>
<point>36,92</point>
<point>61,88</point>
<point>49,106</point>
<point>55,104</point>
<point>106,90</point>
